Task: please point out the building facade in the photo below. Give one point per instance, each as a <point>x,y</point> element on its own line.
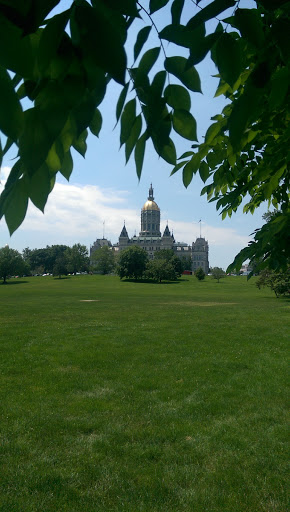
<point>151,240</point>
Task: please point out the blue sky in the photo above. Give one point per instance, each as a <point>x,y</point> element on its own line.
<point>103,193</point>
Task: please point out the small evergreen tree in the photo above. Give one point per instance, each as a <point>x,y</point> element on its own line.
<point>199,274</point>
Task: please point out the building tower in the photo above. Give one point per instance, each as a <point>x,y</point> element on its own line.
<point>200,255</point>
<point>150,217</point>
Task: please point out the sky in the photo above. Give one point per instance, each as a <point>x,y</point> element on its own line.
<point>103,192</point>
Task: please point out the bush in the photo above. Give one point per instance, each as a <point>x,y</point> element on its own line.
<point>199,274</point>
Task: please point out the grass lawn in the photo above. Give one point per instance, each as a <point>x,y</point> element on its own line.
<point>121,396</point>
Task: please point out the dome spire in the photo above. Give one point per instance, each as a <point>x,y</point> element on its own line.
<point>150,197</point>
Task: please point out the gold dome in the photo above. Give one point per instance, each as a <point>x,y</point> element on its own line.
<point>150,205</point>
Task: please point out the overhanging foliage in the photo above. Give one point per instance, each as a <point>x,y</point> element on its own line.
<point>54,71</point>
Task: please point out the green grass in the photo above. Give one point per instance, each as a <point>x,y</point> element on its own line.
<point>150,398</point>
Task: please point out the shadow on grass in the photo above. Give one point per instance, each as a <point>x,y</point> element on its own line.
<point>14,282</point>
<point>61,278</point>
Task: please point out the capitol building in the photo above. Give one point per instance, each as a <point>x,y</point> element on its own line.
<point>151,240</point>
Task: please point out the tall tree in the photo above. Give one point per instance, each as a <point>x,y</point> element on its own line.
<point>132,262</point>
<point>168,257</point>
<point>160,270</point>
<point>77,258</point>
<point>103,260</point>
<point>60,266</point>
<point>11,263</point>
<point>62,64</point>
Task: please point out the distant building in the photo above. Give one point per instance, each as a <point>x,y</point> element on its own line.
<point>151,240</point>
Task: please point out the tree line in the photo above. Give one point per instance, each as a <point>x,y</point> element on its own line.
<point>61,260</point>
<point>55,259</point>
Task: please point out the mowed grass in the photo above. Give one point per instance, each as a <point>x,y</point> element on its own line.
<point>123,396</point>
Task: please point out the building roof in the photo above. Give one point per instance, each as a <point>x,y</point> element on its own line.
<point>150,205</point>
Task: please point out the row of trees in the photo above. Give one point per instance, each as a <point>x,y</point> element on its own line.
<point>134,263</point>
<point>55,259</point>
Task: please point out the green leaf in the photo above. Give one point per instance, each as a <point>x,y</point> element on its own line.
<point>100,34</point>
<point>190,169</point>
<point>176,11</point>
<point>177,97</point>
<point>16,205</point>
<point>141,40</point>
<point>40,131</point>
<point>155,5</point>
<point>83,112</point>
<point>141,84</point>
<point>199,47</point>
<point>139,153</point>
<point>127,7</point>
<point>50,39</point>
<point>184,124</point>
<point>228,58</point>
<point>67,165</point>
<point>212,132</point>
<point>11,115</point>
<point>245,108</point>
<point>16,51</point>
<point>96,123</point>
<point>188,153</point>
<point>176,34</point>
<point>279,87</point>
<point>187,175</point>
<point>148,60</point>
<point>53,159</point>
<point>121,101</point>
<point>127,119</point>
<point>134,135</point>
<point>39,187</point>
<point>209,12</point>
<point>178,67</point>
<point>80,144</point>
<point>167,150</point>
<point>249,23</point>
<point>9,143</point>
<point>213,159</point>
<point>158,83</point>
<point>204,171</point>
<point>178,166</point>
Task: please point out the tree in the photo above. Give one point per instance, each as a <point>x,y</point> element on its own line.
<point>160,270</point>
<point>11,263</point>
<point>60,266</point>
<point>64,75</point>
<point>43,260</point>
<point>218,273</point>
<point>132,263</point>
<point>186,262</point>
<point>103,260</point>
<point>279,282</point>
<point>199,274</point>
<point>77,259</point>
<point>168,256</point>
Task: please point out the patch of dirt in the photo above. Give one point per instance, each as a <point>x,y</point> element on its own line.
<point>89,300</point>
